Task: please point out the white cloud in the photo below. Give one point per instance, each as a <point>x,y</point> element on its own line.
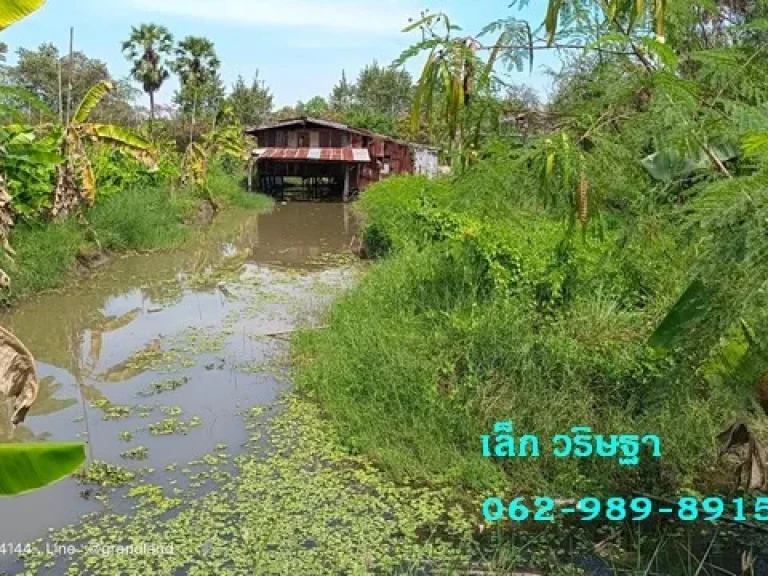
<point>379,17</point>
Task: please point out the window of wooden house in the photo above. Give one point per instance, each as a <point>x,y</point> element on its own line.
<point>267,140</point>
<point>336,139</point>
<point>303,139</point>
<point>325,139</point>
<point>280,140</point>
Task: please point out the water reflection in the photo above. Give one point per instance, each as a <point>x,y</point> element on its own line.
<point>109,337</point>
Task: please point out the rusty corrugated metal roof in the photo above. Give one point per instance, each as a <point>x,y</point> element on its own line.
<point>314,154</point>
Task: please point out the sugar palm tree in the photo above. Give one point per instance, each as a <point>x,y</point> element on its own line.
<point>146,48</point>
<point>196,64</point>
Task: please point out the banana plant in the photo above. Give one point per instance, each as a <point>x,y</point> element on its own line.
<point>10,11</point>
<point>76,181</point>
<point>224,139</point>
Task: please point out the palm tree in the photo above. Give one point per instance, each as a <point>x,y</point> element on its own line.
<point>196,64</point>
<point>145,48</point>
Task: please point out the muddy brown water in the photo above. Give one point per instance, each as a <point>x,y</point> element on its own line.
<point>173,336</point>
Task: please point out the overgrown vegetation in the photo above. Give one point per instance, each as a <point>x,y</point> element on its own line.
<point>604,266</point>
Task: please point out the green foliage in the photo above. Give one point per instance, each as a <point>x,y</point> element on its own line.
<point>26,467</point>
<point>116,170</point>
<point>378,100</point>
<point>316,107</point>
<point>251,105</point>
<point>28,160</point>
<point>382,90</point>
<point>37,71</point>
<point>488,307</point>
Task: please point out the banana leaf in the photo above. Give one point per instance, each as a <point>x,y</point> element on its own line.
<point>27,97</point>
<point>118,136</point>
<point>689,310</point>
<point>27,467</point>
<point>670,165</point>
<point>14,10</point>
<point>91,100</point>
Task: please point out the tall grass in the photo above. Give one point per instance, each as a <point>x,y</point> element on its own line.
<point>141,219</point>
<point>45,252</point>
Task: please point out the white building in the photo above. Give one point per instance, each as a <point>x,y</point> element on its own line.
<point>425,160</point>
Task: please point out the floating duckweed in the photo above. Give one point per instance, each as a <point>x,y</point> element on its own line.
<point>138,453</point>
<point>112,411</point>
<point>196,341</point>
<point>172,410</point>
<point>144,411</point>
<point>151,496</point>
<point>126,436</point>
<point>168,426</point>
<point>305,507</point>
<point>104,474</point>
<point>256,411</point>
<point>167,385</point>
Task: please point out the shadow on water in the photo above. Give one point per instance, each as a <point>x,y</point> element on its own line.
<point>163,351</point>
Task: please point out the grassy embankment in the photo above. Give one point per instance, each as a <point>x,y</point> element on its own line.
<point>480,312</point>
<point>140,218</point>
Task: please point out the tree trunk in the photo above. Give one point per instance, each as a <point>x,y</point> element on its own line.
<point>151,111</point>
<point>194,112</point>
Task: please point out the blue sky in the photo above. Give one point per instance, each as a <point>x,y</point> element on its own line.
<point>299,46</point>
